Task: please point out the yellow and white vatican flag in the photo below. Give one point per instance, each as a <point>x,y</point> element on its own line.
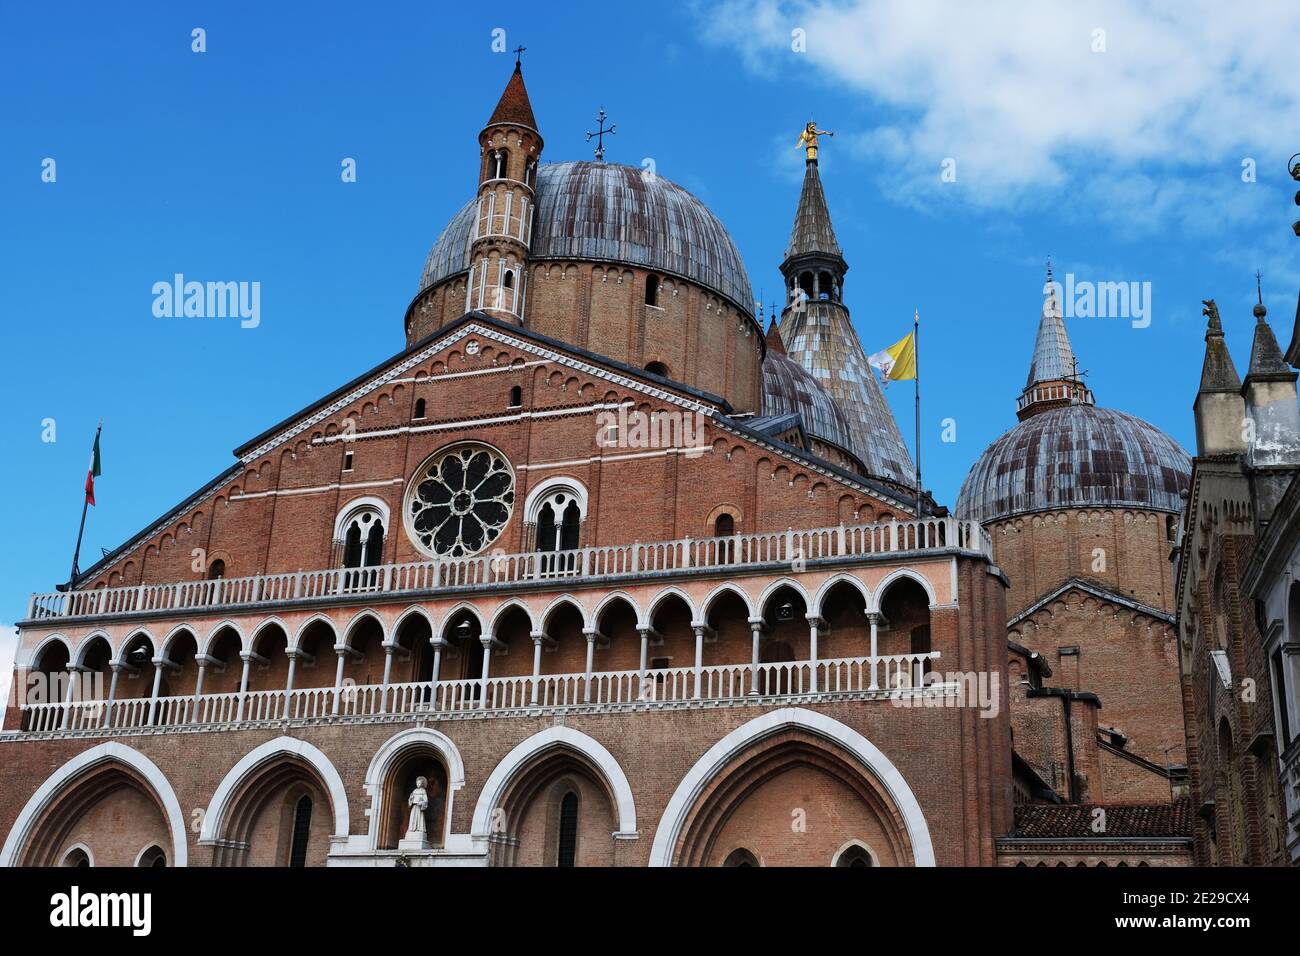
<point>898,362</point>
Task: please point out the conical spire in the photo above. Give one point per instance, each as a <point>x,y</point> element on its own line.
<point>813,234</point>
<point>514,107</point>
<point>1053,372</point>
<point>1053,357</point>
<point>774,341</point>
<point>1218,374</point>
<point>1265,355</point>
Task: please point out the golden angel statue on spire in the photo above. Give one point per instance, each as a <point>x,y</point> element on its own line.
<point>808,139</point>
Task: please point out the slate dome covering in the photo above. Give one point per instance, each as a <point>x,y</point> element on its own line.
<point>788,387</point>
<point>1076,456</point>
<point>613,213</point>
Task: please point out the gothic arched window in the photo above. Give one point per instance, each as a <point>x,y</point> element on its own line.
<point>419,408</point>
<point>301,830</point>
<point>652,290</point>
<point>568,848</point>
<point>363,543</point>
<point>216,570</point>
<point>516,397</point>
<point>152,857</point>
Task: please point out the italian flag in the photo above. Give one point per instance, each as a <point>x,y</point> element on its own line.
<point>93,472</point>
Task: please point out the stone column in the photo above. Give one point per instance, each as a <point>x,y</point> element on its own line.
<point>388,673</point>
<point>288,684</point>
<point>72,671</point>
<point>538,638</point>
<point>487,663</point>
<point>699,657</point>
<point>641,669</point>
<point>591,652</point>
<point>814,622</point>
<point>158,664</point>
<point>437,666</point>
<point>756,626</point>
<point>874,618</point>
<point>112,693</point>
<point>340,650</point>
<point>243,686</point>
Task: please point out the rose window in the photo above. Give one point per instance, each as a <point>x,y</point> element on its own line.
<point>460,500</point>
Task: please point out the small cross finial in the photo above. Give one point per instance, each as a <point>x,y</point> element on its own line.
<point>1259,290</point>
<point>519,52</point>
<point>599,135</point>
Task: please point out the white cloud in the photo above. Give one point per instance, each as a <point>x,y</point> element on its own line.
<point>8,648</point>
<point>1015,94</point>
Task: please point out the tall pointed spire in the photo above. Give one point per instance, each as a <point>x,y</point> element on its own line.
<point>1266,359</point>
<point>514,108</point>
<point>1218,373</point>
<point>1053,356</point>
<point>817,332</point>
<point>1053,378</point>
<point>813,234</point>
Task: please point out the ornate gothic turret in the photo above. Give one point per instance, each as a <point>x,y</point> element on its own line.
<point>1219,407</point>
<point>818,334</point>
<point>1270,394</point>
<point>510,147</point>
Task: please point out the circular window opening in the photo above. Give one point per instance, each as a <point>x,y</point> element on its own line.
<point>460,500</point>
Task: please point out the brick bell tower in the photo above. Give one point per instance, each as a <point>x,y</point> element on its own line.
<point>510,147</point>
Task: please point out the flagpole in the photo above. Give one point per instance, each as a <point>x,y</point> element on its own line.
<point>916,381</point>
<point>85,505</point>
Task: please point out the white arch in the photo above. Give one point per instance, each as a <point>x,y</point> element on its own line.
<point>130,639</point>
<point>389,751</point>
<point>165,651</point>
<point>895,575</point>
<point>84,645</point>
<point>720,754</point>
<point>143,851</point>
<point>452,612</point>
<point>252,637</point>
<point>355,507</point>
<point>659,599</point>
<point>206,648</point>
<point>609,599</point>
<point>544,619</point>
<point>30,660</point>
<point>86,850</point>
<point>554,738</point>
<point>835,859</point>
<point>819,599</point>
<point>553,485</point>
<point>792,584</point>
<point>504,609</point>
<point>87,759</point>
<point>346,637</point>
<point>214,820</point>
<point>724,588</point>
<point>415,610</point>
<point>295,642</point>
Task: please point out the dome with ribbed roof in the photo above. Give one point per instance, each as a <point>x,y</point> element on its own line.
<point>1068,453</point>
<point>1076,456</point>
<point>612,213</point>
<point>788,387</point>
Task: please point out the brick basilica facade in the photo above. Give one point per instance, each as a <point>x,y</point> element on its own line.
<point>597,572</point>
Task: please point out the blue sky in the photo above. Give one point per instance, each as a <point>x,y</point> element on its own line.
<point>1123,164</point>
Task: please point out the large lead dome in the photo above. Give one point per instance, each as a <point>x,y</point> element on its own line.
<point>612,213</point>
<point>1076,456</point>
<point>1068,453</point>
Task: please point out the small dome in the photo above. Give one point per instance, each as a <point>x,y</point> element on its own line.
<point>787,387</point>
<point>1077,456</point>
<point>612,213</point>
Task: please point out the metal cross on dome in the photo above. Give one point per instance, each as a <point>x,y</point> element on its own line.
<point>599,135</point>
